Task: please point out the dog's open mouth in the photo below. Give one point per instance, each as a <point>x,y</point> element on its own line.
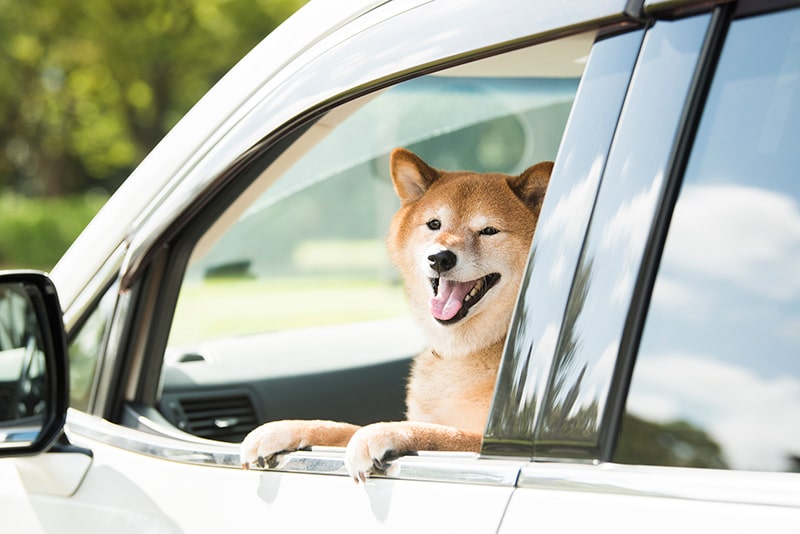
<point>452,300</point>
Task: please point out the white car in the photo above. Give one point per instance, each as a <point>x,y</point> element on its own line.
<point>651,376</point>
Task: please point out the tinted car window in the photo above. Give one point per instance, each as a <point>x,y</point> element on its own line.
<point>577,361</point>
<point>717,379</point>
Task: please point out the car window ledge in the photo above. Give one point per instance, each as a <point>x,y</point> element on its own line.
<point>433,466</point>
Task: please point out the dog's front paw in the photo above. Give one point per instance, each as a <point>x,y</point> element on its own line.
<point>372,448</point>
<point>262,445</point>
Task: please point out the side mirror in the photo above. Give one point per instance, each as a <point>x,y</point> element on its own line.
<point>34,378</point>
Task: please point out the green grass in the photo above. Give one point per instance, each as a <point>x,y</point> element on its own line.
<point>211,309</point>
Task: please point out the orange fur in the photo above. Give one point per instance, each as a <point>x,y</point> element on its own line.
<point>484,223</point>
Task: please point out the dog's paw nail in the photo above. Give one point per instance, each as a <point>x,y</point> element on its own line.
<point>380,465</point>
<point>359,477</point>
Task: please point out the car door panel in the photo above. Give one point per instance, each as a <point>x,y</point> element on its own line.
<point>139,483</point>
<point>655,499</point>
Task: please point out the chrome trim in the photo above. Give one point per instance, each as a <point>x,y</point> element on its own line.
<point>456,467</point>
<point>428,466</point>
<point>709,485</point>
<point>466,468</point>
<point>684,6</point>
<point>200,452</point>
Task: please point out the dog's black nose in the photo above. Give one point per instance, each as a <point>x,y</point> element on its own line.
<point>442,261</point>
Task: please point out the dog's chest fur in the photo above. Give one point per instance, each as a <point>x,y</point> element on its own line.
<point>455,391</point>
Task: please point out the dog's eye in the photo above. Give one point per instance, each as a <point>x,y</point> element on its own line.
<point>489,230</point>
<point>434,224</point>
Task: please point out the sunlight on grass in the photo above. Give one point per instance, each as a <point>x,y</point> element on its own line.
<point>212,309</point>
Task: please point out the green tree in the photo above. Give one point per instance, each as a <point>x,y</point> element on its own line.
<point>677,443</point>
<point>88,88</point>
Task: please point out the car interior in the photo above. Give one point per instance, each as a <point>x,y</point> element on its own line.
<point>289,307</point>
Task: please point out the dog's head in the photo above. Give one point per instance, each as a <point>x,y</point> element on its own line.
<point>461,241</point>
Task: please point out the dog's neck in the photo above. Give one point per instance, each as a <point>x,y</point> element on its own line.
<point>450,346</point>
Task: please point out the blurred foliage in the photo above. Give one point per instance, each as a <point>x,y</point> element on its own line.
<point>88,88</point>
<point>677,444</point>
<point>34,233</point>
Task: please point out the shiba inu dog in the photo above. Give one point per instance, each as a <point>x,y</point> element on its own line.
<point>460,241</point>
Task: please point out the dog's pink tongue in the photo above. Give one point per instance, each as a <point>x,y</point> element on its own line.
<point>449,298</point>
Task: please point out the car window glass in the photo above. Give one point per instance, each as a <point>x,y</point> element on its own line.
<point>717,378</point>
<point>295,280</point>
<point>85,348</point>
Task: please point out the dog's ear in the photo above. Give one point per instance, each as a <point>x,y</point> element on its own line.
<point>531,185</point>
<point>411,176</point>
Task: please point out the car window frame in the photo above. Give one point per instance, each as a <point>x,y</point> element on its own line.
<point>178,252</point>
<point>545,447</point>
<point>103,285</point>
<point>155,256</point>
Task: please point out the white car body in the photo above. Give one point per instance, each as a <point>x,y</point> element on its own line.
<point>143,477</point>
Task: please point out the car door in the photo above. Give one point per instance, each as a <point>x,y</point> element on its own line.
<point>676,331</point>
<point>169,324</point>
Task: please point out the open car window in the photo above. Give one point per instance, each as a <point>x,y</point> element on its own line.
<point>290,307</point>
